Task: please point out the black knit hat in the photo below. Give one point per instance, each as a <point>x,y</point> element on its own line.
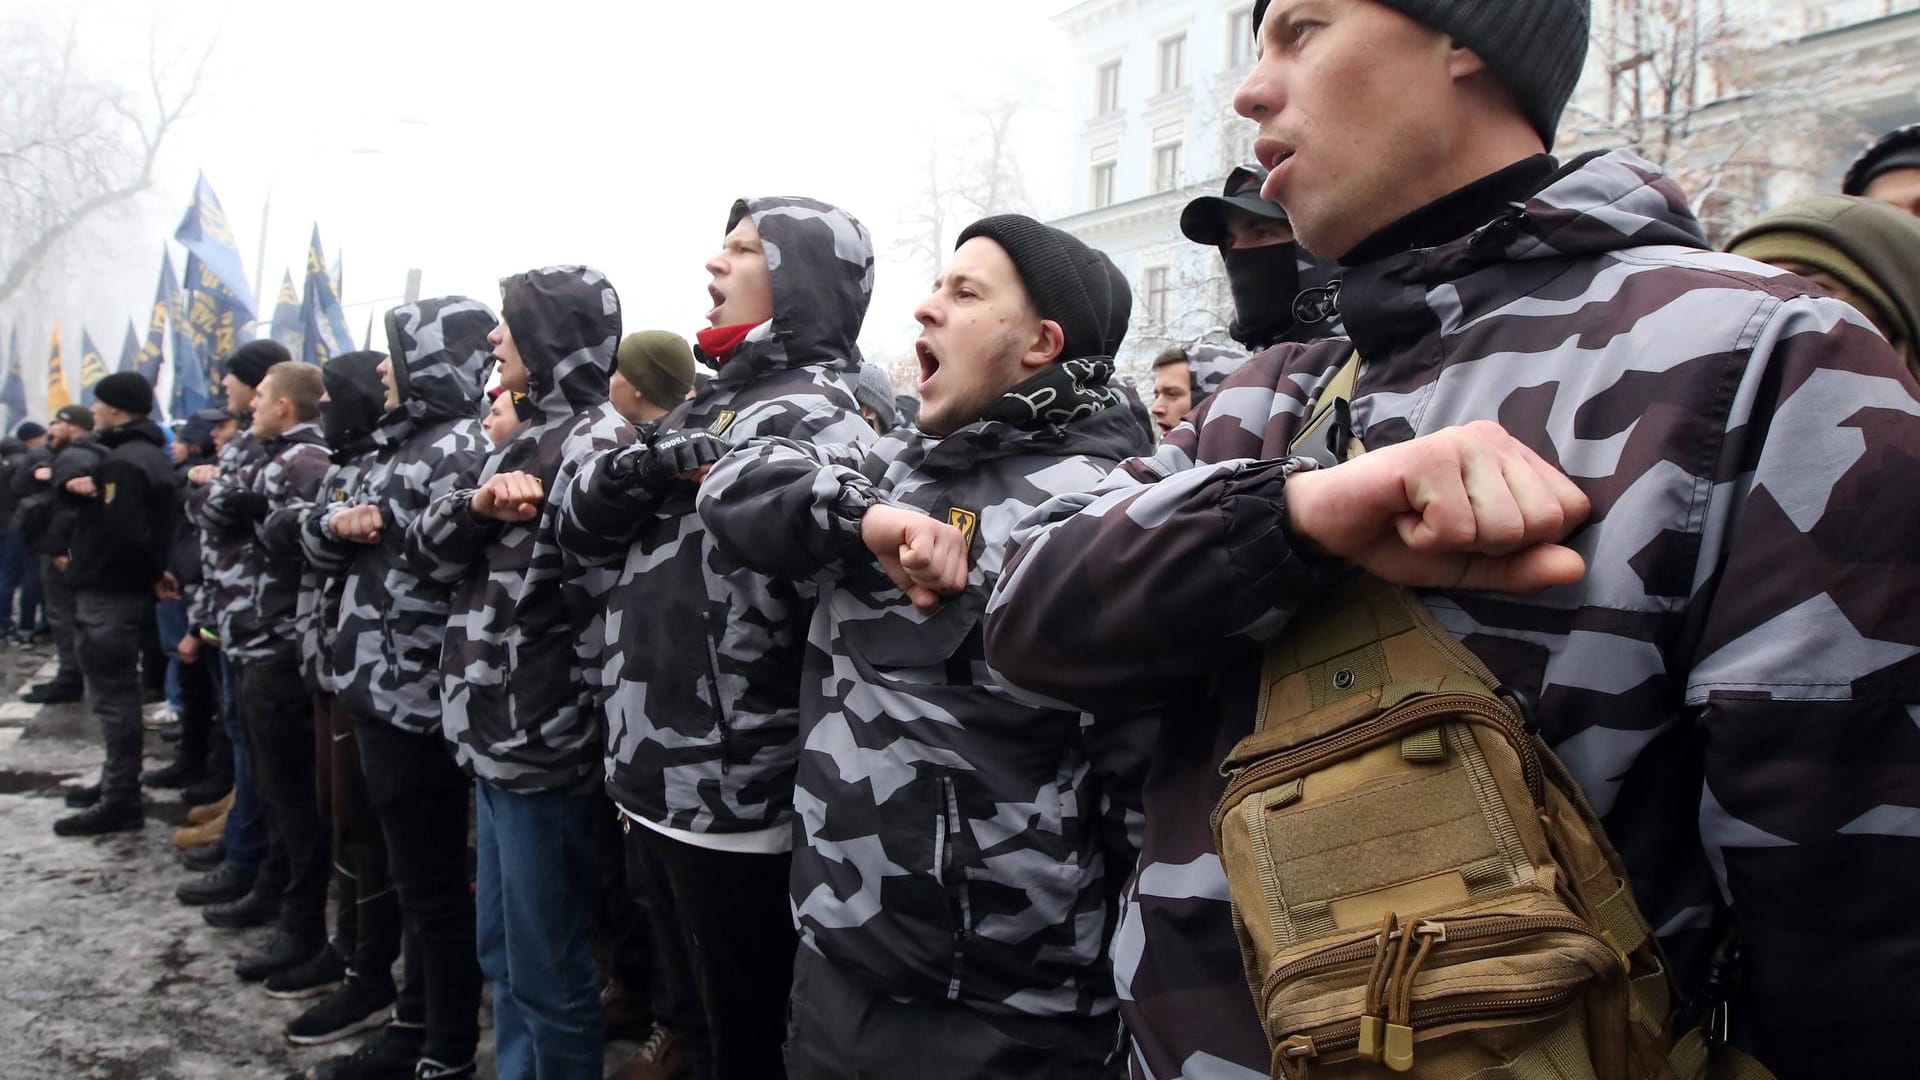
<point>1068,282</point>
<point>1537,48</point>
<point>128,391</point>
<point>1897,149</point>
<point>249,362</point>
<point>29,429</point>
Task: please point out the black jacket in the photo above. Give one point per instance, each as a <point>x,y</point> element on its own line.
<point>124,533</point>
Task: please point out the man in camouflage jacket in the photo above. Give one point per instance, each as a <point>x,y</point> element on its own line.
<point>1730,677</point>
<point>703,656</point>
<point>960,873</point>
<point>252,853</point>
<point>367,909</point>
<point>519,716</point>
<point>393,621</point>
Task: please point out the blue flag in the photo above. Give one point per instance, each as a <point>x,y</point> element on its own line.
<point>13,398</point>
<point>322,324</point>
<point>93,367</point>
<point>129,350</point>
<point>189,369</point>
<point>153,351</point>
<point>286,317</point>
<point>208,236</point>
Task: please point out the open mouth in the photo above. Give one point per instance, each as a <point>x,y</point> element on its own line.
<point>719,301</point>
<point>929,362</point>
<point>1274,155</point>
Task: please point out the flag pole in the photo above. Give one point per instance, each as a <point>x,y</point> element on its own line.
<point>260,259</point>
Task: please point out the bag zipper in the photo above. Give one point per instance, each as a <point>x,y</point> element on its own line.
<point>1466,707</point>
<point>1451,931</point>
<point>1347,1036</point>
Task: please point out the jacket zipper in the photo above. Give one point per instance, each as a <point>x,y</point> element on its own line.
<point>1466,707</point>
<point>719,707</point>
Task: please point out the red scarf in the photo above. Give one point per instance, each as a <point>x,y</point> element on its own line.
<point>719,342</point>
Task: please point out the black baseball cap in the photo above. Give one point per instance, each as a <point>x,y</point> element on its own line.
<point>1204,221</point>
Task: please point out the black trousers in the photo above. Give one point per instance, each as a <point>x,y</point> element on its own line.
<point>423,803</point>
<point>203,739</point>
<point>737,930</point>
<point>278,714</point>
<point>105,625</point>
<point>838,1029</point>
<point>366,907</point>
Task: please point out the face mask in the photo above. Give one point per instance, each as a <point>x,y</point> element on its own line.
<point>1264,281</point>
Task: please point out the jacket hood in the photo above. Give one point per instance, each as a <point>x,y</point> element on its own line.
<point>1881,242</point>
<point>441,360</point>
<point>566,324</point>
<point>1598,203</point>
<point>355,400</point>
<point>1208,366</point>
<point>820,267</point>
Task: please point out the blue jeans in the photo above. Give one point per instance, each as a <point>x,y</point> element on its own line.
<point>538,876</point>
<point>171,617</point>
<point>246,835</point>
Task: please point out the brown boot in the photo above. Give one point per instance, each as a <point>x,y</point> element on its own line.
<point>199,836</point>
<point>624,1014</point>
<point>200,815</point>
<point>666,1055</point>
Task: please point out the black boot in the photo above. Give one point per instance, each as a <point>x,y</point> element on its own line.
<point>103,817</point>
<point>55,692</point>
<point>223,885</point>
<point>82,797</point>
<point>257,908</point>
<point>390,1055</point>
<point>205,859</point>
<point>281,951</point>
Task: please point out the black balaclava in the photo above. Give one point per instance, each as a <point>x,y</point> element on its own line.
<point>1264,281</point>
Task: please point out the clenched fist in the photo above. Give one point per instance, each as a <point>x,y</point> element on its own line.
<point>926,558</point>
<point>358,524</point>
<point>1465,508</point>
<point>511,497</point>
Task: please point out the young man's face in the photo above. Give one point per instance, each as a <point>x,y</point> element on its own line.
<point>1350,98</point>
<point>1172,396</point>
<point>182,450</point>
<point>1901,187</point>
<point>513,370</point>
<point>272,412</point>
<point>501,419</point>
<point>978,330</point>
<point>387,380</point>
<point>628,401</point>
<point>105,416</point>
<point>223,432</point>
<point>742,287</point>
<point>240,396</point>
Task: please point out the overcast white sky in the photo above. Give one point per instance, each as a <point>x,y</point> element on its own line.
<point>477,139</point>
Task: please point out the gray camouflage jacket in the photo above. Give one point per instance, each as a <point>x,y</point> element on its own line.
<point>702,662</point>
<point>1733,681</point>
<point>224,539</point>
<point>393,619</point>
<point>960,845</point>
<point>518,712</point>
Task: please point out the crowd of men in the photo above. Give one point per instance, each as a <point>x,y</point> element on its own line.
<point>794,736</point>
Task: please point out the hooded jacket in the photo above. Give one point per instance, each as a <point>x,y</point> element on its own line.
<point>702,662</point>
<point>348,417</point>
<point>961,845</point>
<point>225,536</point>
<point>519,713</point>
<point>1729,682</point>
<point>386,649</point>
<point>122,534</point>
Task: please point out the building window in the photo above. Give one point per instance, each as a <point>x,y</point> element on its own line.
<point>1156,291</point>
<point>1166,167</point>
<point>1240,38</point>
<point>1108,101</point>
<point>1103,185</point>
<point>1173,63</point>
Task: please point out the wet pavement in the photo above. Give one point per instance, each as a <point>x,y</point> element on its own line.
<point>103,974</point>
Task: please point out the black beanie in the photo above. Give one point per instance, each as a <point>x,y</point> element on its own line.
<point>1537,48</point>
<point>1897,149</point>
<point>127,391</point>
<point>1068,282</point>
<point>249,362</point>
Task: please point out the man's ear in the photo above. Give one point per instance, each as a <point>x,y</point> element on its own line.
<point>1464,63</point>
<point>1047,345</point>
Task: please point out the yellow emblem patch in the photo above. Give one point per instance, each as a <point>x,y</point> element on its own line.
<point>722,422</point>
<point>111,489</point>
<point>966,521</point>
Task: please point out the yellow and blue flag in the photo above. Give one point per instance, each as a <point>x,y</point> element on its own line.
<point>93,367</point>
<point>208,236</point>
